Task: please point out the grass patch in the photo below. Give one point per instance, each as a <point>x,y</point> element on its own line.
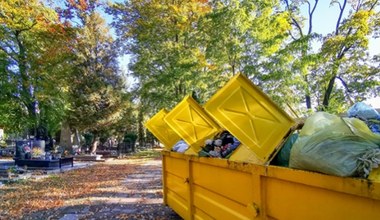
<point>147,154</point>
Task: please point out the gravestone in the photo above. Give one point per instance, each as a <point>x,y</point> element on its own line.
<point>20,145</point>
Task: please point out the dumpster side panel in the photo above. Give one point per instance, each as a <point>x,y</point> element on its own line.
<point>289,200</point>
<point>222,180</point>
<point>296,194</point>
<point>176,187</point>
<point>209,188</point>
<point>220,192</point>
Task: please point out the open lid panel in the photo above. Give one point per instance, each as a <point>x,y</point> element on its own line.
<point>250,115</point>
<point>191,123</point>
<point>161,130</point>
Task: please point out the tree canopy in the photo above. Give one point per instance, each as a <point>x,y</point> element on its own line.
<point>186,47</point>
<point>59,61</point>
<point>59,65</point>
<point>31,66</point>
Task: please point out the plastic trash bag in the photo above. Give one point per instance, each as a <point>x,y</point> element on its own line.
<point>363,111</point>
<point>366,113</point>
<point>282,157</point>
<point>337,146</point>
<point>180,147</point>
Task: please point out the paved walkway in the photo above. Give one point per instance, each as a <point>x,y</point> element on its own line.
<point>138,197</point>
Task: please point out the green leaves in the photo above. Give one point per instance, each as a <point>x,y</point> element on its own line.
<point>183,47</point>
<point>96,93</point>
<point>324,73</point>
<point>30,34</point>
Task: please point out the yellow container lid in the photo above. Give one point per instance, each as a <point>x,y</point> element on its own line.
<point>191,123</point>
<point>250,115</point>
<point>161,130</point>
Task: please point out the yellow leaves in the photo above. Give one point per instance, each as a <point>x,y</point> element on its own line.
<point>200,57</point>
<point>24,15</point>
<point>187,12</point>
<point>212,67</point>
<point>362,16</point>
<point>332,45</point>
<point>281,23</point>
<point>353,34</point>
<point>360,23</point>
<point>270,28</point>
<point>174,8</point>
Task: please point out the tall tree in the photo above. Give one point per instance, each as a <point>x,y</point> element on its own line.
<point>190,47</point>
<point>347,46</point>
<point>30,32</point>
<point>162,37</point>
<point>341,71</point>
<point>97,90</point>
<point>242,36</point>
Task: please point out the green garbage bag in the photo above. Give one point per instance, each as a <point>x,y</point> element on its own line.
<point>337,146</point>
<point>282,157</point>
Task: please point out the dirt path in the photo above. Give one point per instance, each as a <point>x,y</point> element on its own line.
<point>133,194</point>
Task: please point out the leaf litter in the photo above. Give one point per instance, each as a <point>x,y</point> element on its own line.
<point>128,188</point>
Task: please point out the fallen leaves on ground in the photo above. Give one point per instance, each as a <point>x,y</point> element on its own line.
<point>73,187</point>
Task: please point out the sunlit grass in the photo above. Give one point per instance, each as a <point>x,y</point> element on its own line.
<point>151,153</point>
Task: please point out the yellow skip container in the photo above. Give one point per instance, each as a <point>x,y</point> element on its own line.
<point>246,186</point>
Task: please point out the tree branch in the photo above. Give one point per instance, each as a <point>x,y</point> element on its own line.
<point>27,28</point>
<point>373,5</point>
<point>358,6</point>
<point>291,35</point>
<point>348,91</point>
<point>340,6</point>
<point>344,84</point>
<point>294,21</point>
<point>311,16</point>
<point>345,48</point>
<point>340,16</point>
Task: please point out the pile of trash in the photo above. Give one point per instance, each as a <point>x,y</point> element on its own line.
<point>221,146</point>
<point>341,146</point>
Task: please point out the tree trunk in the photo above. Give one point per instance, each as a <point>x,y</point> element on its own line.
<point>26,94</point>
<point>65,137</point>
<point>308,101</point>
<point>76,147</point>
<point>326,98</point>
<point>94,145</point>
<point>141,128</point>
<point>76,140</point>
